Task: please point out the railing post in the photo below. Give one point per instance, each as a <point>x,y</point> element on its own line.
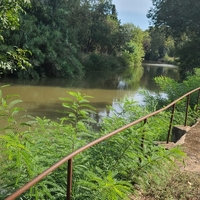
<point>171,121</point>
<point>186,112</point>
<point>142,143</point>
<point>69,179</point>
<point>198,96</point>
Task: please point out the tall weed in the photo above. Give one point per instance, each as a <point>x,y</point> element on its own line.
<point>108,170</point>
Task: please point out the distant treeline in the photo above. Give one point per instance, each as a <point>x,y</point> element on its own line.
<point>68,38</point>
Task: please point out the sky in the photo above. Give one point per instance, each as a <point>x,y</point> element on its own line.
<point>133,11</point>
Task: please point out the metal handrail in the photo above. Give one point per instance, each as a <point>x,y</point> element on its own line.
<point>73,154</point>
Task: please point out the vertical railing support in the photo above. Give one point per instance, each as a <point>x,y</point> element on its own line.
<point>171,121</point>
<point>142,143</point>
<point>69,179</point>
<point>187,107</point>
<point>198,96</point>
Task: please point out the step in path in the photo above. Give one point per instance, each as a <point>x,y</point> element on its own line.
<point>191,146</point>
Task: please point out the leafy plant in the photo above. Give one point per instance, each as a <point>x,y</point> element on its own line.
<point>109,170</point>
<point>19,161</point>
<point>77,115</point>
<point>29,147</point>
<point>105,186</point>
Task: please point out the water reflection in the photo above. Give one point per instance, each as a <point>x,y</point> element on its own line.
<point>152,70</point>
<point>42,98</point>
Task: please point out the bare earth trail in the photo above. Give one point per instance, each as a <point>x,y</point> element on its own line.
<point>191,146</point>
<point>189,168</point>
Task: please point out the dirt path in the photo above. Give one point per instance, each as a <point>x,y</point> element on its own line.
<point>191,146</point>
<point>186,184</point>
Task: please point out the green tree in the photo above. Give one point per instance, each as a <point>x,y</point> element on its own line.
<point>60,33</point>
<point>10,13</point>
<point>158,45</point>
<point>11,58</point>
<point>104,39</point>
<point>178,15</point>
<point>133,52</point>
<point>147,44</point>
<point>46,31</point>
<point>105,30</point>
<point>67,38</point>
<point>180,18</point>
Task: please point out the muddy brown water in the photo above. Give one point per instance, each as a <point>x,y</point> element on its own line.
<point>41,98</point>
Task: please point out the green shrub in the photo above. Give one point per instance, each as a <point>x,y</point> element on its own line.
<point>99,62</point>
<point>108,170</point>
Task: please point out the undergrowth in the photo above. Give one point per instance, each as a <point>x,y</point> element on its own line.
<point>176,186</point>
<point>109,170</point>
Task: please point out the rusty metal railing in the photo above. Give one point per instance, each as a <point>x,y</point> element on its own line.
<point>70,157</point>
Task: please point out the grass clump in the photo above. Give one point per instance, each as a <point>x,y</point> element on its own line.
<point>178,185</point>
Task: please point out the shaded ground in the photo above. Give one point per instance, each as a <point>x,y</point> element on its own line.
<point>185,183</point>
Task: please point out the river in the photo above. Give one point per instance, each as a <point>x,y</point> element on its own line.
<point>41,98</point>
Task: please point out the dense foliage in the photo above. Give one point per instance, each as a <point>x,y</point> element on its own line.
<point>158,46</point>
<point>172,90</point>
<point>180,18</point>
<point>67,38</point>
<point>109,170</point>
<point>10,13</point>
<point>13,57</point>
